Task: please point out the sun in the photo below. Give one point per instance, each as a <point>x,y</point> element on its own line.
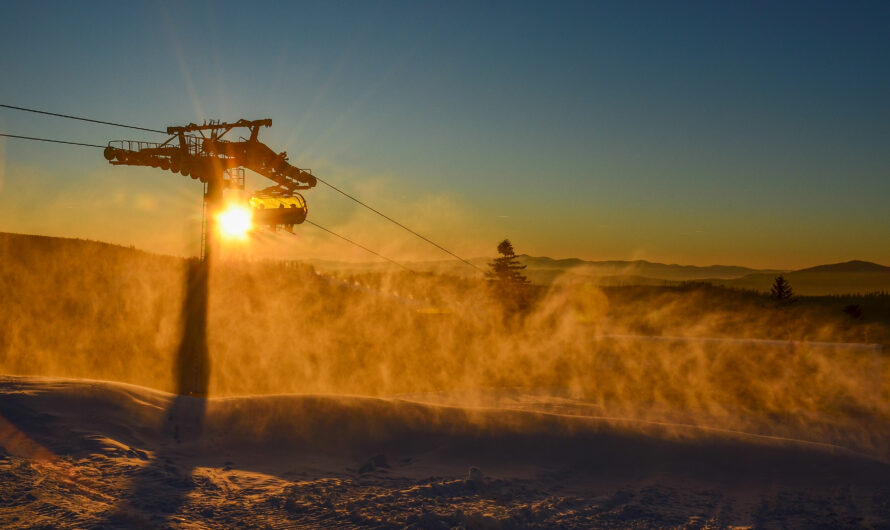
<point>234,222</point>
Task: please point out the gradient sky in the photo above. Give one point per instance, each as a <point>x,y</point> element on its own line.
<point>749,133</point>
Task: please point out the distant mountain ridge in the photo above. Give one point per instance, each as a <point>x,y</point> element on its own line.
<point>855,266</point>
<point>855,276</point>
<point>545,269</point>
<point>642,268</point>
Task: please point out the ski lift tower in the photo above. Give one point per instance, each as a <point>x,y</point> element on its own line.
<point>202,153</point>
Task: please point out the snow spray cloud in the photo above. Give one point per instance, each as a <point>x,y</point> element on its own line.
<point>89,310</point>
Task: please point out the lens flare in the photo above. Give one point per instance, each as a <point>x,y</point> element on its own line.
<point>234,222</point>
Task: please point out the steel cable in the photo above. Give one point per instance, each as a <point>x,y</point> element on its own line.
<point>81,119</point>
<point>48,140</point>
<point>316,225</point>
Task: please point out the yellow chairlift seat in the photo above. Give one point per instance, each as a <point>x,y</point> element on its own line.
<point>274,211</point>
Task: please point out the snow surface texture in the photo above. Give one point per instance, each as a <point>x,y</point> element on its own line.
<point>80,453</point>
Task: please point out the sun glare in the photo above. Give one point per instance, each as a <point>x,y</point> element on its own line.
<point>234,222</point>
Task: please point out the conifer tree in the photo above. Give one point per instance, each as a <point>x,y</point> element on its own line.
<point>506,270</point>
<point>508,284</point>
<point>781,290</point>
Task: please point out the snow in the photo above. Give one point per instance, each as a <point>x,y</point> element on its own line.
<point>82,453</point>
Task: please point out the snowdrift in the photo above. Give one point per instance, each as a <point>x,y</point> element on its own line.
<point>84,453</point>
<point>286,432</point>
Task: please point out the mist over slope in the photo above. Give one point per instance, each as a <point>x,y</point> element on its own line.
<point>88,310</point>
<point>359,400</point>
<point>852,277</point>
<point>543,269</point>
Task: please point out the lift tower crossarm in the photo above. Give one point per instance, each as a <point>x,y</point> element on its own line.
<point>255,124</point>
<point>209,159</point>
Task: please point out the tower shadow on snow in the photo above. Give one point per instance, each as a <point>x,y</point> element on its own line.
<point>162,486</point>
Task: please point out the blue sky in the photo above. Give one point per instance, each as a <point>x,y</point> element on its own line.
<point>752,133</point>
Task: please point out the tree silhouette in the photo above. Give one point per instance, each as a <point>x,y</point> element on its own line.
<point>506,269</point>
<point>505,276</point>
<point>853,310</point>
<point>781,290</point>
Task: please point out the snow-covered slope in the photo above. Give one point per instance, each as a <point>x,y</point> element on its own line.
<point>80,453</point>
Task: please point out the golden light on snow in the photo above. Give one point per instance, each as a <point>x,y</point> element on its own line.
<point>234,222</point>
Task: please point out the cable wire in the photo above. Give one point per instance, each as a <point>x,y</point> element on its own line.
<point>316,225</point>
<point>81,119</point>
<point>390,219</point>
<point>48,140</point>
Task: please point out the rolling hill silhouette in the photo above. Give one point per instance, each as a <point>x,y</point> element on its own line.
<point>855,276</point>
<point>849,277</point>
<point>854,266</point>
<point>838,278</point>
